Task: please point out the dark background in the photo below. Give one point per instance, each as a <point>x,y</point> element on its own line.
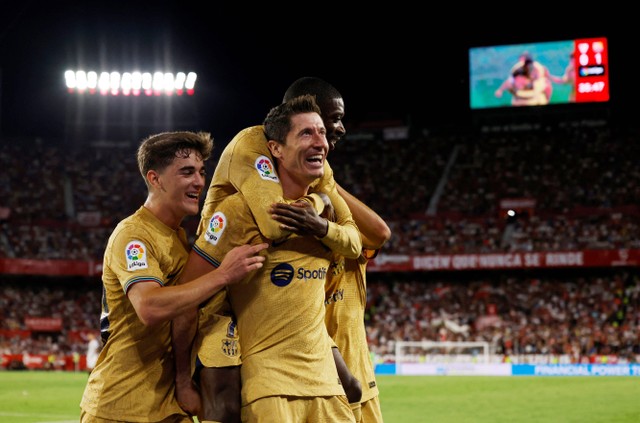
<point>394,62</point>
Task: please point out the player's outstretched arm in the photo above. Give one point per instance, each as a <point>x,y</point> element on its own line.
<point>375,231</point>
<point>156,304</point>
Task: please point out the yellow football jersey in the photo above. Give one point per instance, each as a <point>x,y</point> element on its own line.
<point>345,301</point>
<point>246,166</point>
<point>280,309</point>
<point>133,379</point>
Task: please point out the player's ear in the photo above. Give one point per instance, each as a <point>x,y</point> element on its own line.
<point>275,148</point>
<point>153,179</point>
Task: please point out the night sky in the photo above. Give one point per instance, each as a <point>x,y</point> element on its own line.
<point>395,62</point>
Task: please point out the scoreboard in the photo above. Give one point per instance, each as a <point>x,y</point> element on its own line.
<point>591,64</point>
<point>561,72</point>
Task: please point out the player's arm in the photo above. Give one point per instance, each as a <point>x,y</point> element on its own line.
<point>343,236</point>
<point>375,231</point>
<point>302,219</point>
<point>155,303</point>
<point>183,332</point>
<point>352,386</point>
<point>251,171</point>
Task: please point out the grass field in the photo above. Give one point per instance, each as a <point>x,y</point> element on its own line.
<point>53,397</point>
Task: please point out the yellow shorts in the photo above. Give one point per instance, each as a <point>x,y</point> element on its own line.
<point>370,410</point>
<point>217,343</point>
<point>333,409</point>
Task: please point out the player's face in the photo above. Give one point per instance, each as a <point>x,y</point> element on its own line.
<point>181,184</point>
<point>306,148</point>
<point>332,115</point>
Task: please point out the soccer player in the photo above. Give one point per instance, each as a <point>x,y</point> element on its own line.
<point>346,300</point>
<point>93,351</point>
<point>288,371</point>
<point>529,82</point>
<point>246,165</point>
<point>133,379</point>
<point>346,292</point>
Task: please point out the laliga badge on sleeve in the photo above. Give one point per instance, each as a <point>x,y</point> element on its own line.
<point>216,227</point>
<point>136,254</point>
<point>265,169</point>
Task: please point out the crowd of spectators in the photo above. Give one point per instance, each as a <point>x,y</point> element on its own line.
<point>575,315</point>
<point>75,301</point>
<point>440,194</point>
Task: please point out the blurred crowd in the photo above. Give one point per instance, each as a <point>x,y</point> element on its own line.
<point>438,193</point>
<point>576,315</point>
<point>575,187</point>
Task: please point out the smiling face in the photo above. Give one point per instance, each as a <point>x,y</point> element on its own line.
<point>180,184</point>
<point>301,157</point>
<point>332,115</point>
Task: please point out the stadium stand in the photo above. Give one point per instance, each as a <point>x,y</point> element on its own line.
<point>574,190</point>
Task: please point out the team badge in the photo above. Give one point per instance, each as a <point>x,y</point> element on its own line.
<point>230,347</point>
<point>265,169</point>
<point>136,254</point>
<point>216,227</point>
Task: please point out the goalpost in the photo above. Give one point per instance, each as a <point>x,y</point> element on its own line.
<point>430,357</point>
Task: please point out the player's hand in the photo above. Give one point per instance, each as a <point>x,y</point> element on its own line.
<point>240,261</point>
<point>300,217</point>
<point>188,398</point>
<point>329,212</point>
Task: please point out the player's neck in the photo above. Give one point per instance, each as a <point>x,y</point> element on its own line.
<point>293,188</point>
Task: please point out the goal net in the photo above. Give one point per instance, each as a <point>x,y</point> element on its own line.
<point>430,357</point>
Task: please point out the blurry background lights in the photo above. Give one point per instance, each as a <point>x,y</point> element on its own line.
<point>130,83</point>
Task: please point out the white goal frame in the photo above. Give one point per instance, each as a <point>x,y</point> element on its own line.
<point>442,352</point>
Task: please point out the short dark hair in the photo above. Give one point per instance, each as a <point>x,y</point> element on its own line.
<point>277,124</point>
<point>160,150</point>
<point>321,89</point>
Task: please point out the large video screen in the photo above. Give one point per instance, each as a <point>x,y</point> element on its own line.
<point>538,74</point>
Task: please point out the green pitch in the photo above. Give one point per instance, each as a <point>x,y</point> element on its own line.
<point>53,397</point>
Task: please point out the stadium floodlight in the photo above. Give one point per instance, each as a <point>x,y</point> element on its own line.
<point>130,83</point>
<point>190,83</point>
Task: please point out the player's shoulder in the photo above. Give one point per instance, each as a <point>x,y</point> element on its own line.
<point>236,202</point>
<point>250,134</point>
<point>247,144</point>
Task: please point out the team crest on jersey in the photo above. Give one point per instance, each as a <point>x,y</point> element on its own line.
<point>216,227</point>
<point>230,347</point>
<point>266,169</point>
<point>136,254</point>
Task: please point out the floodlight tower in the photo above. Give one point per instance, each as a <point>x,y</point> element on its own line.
<point>126,106</point>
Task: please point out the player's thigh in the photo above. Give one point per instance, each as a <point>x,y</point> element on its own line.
<point>219,381</point>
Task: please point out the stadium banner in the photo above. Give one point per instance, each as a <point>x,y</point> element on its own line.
<point>50,267</point>
<point>387,262</point>
<point>454,369</point>
<point>514,260</point>
<point>506,369</point>
<point>43,324</point>
<point>68,362</point>
<point>576,370</point>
